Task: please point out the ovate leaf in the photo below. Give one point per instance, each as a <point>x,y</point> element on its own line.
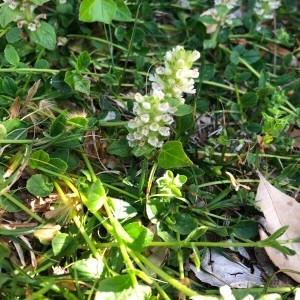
<point>90,268</point>
<point>44,36</point>
<point>280,210</point>
<point>95,197</point>
<point>11,55</point>
<point>141,236</point>
<point>119,288</point>
<point>62,243</point>
<point>172,156</point>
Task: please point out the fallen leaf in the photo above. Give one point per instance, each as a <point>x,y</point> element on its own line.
<point>219,270</point>
<point>295,133</point>
<point>280,210</point>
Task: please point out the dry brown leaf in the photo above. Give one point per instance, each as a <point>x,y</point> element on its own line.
<point>280,210</point>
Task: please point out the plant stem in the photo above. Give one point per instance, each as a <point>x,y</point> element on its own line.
<point>175,283</point>
<point>242,61</point>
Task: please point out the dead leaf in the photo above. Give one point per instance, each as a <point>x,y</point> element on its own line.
<point>14,110</point>
<point>295,133</point>
<point>218,270</point>
<point>280,210</point>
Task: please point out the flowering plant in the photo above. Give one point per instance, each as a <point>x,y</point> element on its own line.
<point>154,112</point>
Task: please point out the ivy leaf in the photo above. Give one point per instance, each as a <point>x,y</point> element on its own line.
<point>172,155</point>
<point>123,13</point>
<point>97,10</point>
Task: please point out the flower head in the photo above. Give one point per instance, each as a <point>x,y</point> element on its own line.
<point>150,126</point>
<point>176,76</point>
<point>154,112</point>
<point>265,9</point>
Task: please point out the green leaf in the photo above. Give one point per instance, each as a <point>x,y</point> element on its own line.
<point>38,159</point>
<point>13,35</point>
<point>95,197</point>
<point>82,86</point>
<point>9,86</point>
<point>123,13</point>
<point>57,165</point>
<point>11,55</point>
<point>90,268</point>
<point>172,155</point>
<point>122,210</point>
<point>119,288</point>
<point>97,10</point>
<point>251,56</point>
<point>208,71</point>
<point>16,129</point>
<point>182,223</point>
<point>7,15</point>
<point>142,236</point>
<point>39,185</point>
<point>58,125</point>
<point>183,110</point>
<point>119,148</point>
<point>8,206</point>
<point>254,127</point>
<point>44,36</point>
<point>196,233</point>
<point>83,61</point>
<point>63,244</point>
<point>4,251</point>
<point>69,159</point>
<point>248,100</point>
<point>236,53</point>
<point>39,2</point>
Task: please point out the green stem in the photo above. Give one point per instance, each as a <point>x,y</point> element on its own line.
<point>23,207</point>
<point>16,141</point>
<point>119,233</point>
<point>242,61</point>
<point>28,70</point>
<point>77,222</point>
<point>175,283</point>
<point>224,86</point>
<point>291,157</point>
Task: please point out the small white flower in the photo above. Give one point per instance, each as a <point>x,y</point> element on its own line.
<point>138,98</point>
<point>167,119</point>
<point>154,127</point>
<point>153,140</point>
<point>13,5</point>
<point>145,118</point>
<point>158,94</point>
<point>145,130</point>
<point>137,135</point>
<point>31,27</point>
<point>146,105</point>
<point>164,131</point>
<point>163,107</point>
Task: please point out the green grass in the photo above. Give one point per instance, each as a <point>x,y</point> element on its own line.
<point>85,216</point>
